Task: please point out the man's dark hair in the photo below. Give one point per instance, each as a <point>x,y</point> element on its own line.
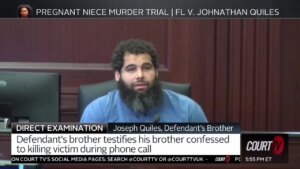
<point>134,46</point>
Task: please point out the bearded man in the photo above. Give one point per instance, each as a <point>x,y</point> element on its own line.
<point>139,96</point>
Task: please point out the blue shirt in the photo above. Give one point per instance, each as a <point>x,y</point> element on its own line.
<point>174,108</point>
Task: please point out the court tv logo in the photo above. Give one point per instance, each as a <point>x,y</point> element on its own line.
<point>265,148</point>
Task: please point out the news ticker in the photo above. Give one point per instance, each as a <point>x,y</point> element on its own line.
<point>154,9</point>
<point>143,143</point>
<point>128,159</point>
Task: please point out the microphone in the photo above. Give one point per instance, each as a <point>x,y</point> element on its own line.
<point>156,118</point>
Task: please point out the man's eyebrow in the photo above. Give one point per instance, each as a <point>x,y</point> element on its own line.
<point>147,64</point>
<point>130,65</point>
<point>134,65</point>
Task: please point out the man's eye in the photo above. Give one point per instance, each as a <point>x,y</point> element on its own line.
<point>130,69</point>
<point>147,67</point>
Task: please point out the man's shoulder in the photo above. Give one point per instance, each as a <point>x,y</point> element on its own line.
<point>99,108</point>
<point>186,104</point>
<point>174,96</point>
<point>109,97</point>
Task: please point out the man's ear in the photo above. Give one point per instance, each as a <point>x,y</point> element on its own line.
<point>156,72</point>
<point>117,76</point>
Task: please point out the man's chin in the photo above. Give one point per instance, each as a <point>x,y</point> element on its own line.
<point>141,92</point>
<point>139,97</point>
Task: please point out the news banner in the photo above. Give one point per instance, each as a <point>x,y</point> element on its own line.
<point>139,143</point>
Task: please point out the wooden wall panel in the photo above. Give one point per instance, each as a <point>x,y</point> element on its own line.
<point>274,55</point>
<point>241,70</point>
<point>290,77</point>
<point>247,74</point>
<point>260,74</point>
<point>74,40</point>
<point>221,71</point>
<point>234,70</point>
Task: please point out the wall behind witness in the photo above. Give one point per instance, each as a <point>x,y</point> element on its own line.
<point>240,70</point>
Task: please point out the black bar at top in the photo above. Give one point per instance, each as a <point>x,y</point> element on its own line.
<point>260,8</point>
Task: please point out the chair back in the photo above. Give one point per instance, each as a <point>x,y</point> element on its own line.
<point>88,93</point>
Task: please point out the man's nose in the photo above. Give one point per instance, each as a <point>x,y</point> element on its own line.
<point>139,74</point>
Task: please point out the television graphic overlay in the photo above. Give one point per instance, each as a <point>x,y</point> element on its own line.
<point>125,143</point>
<point>265,148</point>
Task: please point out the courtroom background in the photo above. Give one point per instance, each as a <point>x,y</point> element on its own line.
<point>243,71</point>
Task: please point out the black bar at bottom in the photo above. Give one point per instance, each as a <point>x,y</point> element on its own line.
<point>127,159</point>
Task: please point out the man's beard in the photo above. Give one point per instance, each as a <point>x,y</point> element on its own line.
<point>144,101</point>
